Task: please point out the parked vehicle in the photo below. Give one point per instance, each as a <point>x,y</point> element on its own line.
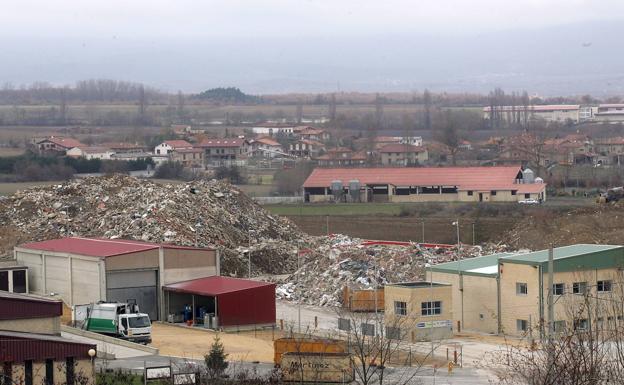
<point>529,202</point>
<point>122,320</point>
<point>612,195</point>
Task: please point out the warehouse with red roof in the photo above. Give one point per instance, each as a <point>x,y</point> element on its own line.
<point>424,184</point>
<point>85,270</point>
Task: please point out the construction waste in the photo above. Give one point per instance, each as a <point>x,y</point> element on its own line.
<point>202,213</point>
<point>329,264</point>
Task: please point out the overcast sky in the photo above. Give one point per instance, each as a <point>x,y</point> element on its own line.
<point>257,18</point>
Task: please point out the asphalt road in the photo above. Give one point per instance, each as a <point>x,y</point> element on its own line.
<point>425,376</point>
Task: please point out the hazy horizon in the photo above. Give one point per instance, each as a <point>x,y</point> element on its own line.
<point>278,46</point>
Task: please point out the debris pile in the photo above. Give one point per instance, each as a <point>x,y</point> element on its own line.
<point>334,262</point>
<point>203,213</point>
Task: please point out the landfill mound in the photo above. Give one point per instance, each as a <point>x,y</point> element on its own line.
<point>204,213</point>
<point>331,263</point>
<point>596,224</point>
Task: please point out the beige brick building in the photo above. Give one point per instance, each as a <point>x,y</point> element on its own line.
<point>417,311</point>
<point>423,184</point>
<point>507,293</point>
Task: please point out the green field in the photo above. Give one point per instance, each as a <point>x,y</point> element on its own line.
<point>424,208</point>
<point>7,189</point>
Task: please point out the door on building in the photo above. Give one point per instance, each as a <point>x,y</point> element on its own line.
<point>480,197</point>
<point>139,285</point>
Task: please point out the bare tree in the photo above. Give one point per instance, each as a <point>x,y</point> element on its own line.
<point>585,344</point>
<point>447,133</point>
<point>332,108</point>
<point>299,111</point>
<point>427,106</point>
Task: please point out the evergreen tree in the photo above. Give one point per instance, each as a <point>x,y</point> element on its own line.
<point>215,361</point>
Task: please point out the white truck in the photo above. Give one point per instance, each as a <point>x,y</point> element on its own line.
<point>122,320</point>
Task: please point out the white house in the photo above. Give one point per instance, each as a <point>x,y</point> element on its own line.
<point>266,147</point>
<point>168,146</point>
<point>91,152</point>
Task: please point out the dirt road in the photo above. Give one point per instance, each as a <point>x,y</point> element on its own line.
<point>195,343</point>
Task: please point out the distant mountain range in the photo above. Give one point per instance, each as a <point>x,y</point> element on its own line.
<point>565,60</point>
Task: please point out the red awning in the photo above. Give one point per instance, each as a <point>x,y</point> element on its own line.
<point>216,285</point>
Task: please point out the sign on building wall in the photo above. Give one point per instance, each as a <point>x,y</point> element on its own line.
<point>434,324</point>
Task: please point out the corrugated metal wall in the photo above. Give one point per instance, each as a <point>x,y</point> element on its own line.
<point>140,285</point>
<point>14,308</point>
<point>247,307</point>
<point>19,350</point>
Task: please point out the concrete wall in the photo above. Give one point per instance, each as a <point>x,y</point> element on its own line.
<point>76,279</point>
<point>413,297</point>
<point>140,260</point>
<point>519,306</point>
<point>479,301</point>
<point>183,265</point>
<point>47,325</point>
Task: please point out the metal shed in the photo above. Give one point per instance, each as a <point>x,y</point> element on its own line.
<point>235,302</point>
<point>84,270</point>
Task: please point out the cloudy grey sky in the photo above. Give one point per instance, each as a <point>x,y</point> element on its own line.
<point>257,18</point>
<point>552,47</point>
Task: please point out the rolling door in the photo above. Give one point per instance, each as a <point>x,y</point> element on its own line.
<point>141,286</point>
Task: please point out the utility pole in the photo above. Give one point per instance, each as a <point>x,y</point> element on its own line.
<point>423,231</point>
<point>551,305</point>
<point>460,276</point>
<point>473,233</point>
<point>298,283</point>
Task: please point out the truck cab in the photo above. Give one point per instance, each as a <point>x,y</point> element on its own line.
<point>135,327</point>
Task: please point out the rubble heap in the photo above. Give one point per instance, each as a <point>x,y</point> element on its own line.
<point>203,213</point>
<point>331,263</point>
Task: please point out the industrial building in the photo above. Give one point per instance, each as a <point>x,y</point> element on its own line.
<point>550,113</point>
<point>507,293</point>
<point>31,349</point>
<point>424,184</point>
<point>418,311</point>
<point>222,302</point>
<point>13,277</point>
<point>85,270</point>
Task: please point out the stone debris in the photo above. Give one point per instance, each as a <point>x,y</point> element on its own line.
<point>331,263</point>
<point>204,213</point>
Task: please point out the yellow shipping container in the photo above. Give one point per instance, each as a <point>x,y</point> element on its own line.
<point>363,300</point>
<point>317,367</point>
<point>306,345</point>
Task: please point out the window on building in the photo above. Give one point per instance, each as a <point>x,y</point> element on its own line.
<point>579,287</point>
<point>558,289</point>
<point>4,280</point>
<point>400,308</point>
<point>19,281</point>
<point>70,376</point>
<point>7,373</point>
<point>393,333</point>
<point>431,308</point>
<point>28,372</point>
<point>514,192</point>
<point>559,326</point>
<point>603,286</point>
<point>49,372</point>
<point>469,193</point>
<point>522,325</point>
<point>580,324</point>
<point>527,196</point>
<point>521,288</point>
<point>158,151</point>
<point>493,192</point>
